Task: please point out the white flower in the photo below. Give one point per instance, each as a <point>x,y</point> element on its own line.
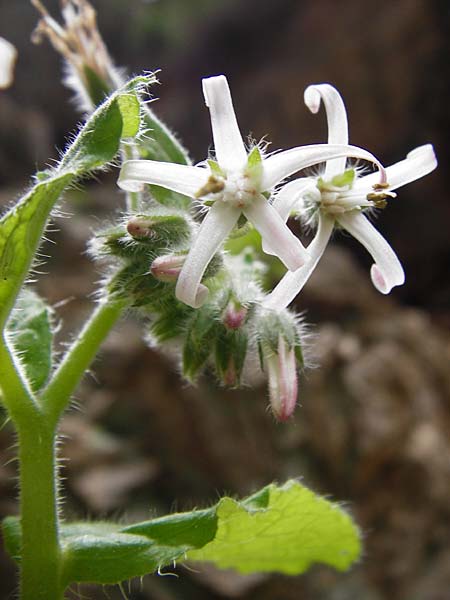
<point>8,57</point>
<point>238,183</point>
<point>340,197</point>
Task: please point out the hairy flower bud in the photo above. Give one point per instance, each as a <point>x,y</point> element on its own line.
<point>234,315</point>
<point>167,268</point>
<point>282,373</point>
<point>279,338</point>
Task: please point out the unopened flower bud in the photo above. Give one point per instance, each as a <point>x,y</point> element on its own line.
<point>167,268</point>
<point>140,227</point>
<point>234,315</point>
<point>282,372</point>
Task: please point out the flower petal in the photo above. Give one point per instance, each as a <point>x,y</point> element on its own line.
<point>285,201</point>
<point>8,57</point>
<point>418,163</point>
<point>283,386</point>
<point>292,282</point>
<point>215,227</point>
<point>228,144</point>
<point>277,234</point>
<point>387,272</point>
<point>282,164</point>
<point>336,118</point>
<point>179,178</point>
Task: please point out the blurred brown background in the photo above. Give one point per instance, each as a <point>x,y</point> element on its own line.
<point>373,427</point>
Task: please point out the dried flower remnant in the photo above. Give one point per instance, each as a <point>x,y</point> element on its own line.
<point>8,57</point>
<point>236,183</point>
<point>339,198</point>
<point>91,73</point>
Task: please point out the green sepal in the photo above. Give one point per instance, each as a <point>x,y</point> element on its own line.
<point>215,168</point>
<point>170,320</point>
<point>254,165</point>
<point>344,179</point>
<point>230,351</point>
<point>341,180</point>
<point>201,333</point>
<point>31,332</point>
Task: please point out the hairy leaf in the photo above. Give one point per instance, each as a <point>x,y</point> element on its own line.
<point>31,331</point>
<point>97,143</point>
<point>284,529</point>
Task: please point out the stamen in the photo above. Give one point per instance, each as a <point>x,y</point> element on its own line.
<point>214,185</point>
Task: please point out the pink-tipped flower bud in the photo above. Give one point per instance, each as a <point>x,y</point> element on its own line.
<point>140,227</point>
<point>282,371</point>
<point>234,315</point>
<point>167,268</point>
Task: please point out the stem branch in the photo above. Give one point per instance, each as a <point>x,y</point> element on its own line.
<point>56,396</point>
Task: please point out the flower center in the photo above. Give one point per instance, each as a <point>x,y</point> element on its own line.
<point>337,196</point>
<point>236,188</point>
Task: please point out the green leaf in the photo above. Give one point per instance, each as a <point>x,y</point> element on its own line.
<point>190,529</point>
<point>285,530</point>
<point>100,553</point>
<point>31,329</point>
<point>97,143</point>
<point>21,230</point>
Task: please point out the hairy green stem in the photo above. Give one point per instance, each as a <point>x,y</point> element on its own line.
<point>17,398</point>
<point>40,556</point>
<point>56,396</point>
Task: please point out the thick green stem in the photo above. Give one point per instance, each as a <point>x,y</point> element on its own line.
<point>56,396</point>
<point>40,556</point>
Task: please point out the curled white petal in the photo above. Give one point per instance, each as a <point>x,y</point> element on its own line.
<point>292,282</point>
<point>228,144</point>
<point>285,201</point>
<point>8,57</point>
<point>179,178</point>
<point>336,118</point>
<point>387,272</point>
<point>215,227</point>
<point>277,234</point>
<point>282,164</point>
<point>418,163</point>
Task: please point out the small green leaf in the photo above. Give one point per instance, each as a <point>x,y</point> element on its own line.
<point>286,531</point>
<point>129,107</point>
<point>31,329</point>
<point>22,227</point>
